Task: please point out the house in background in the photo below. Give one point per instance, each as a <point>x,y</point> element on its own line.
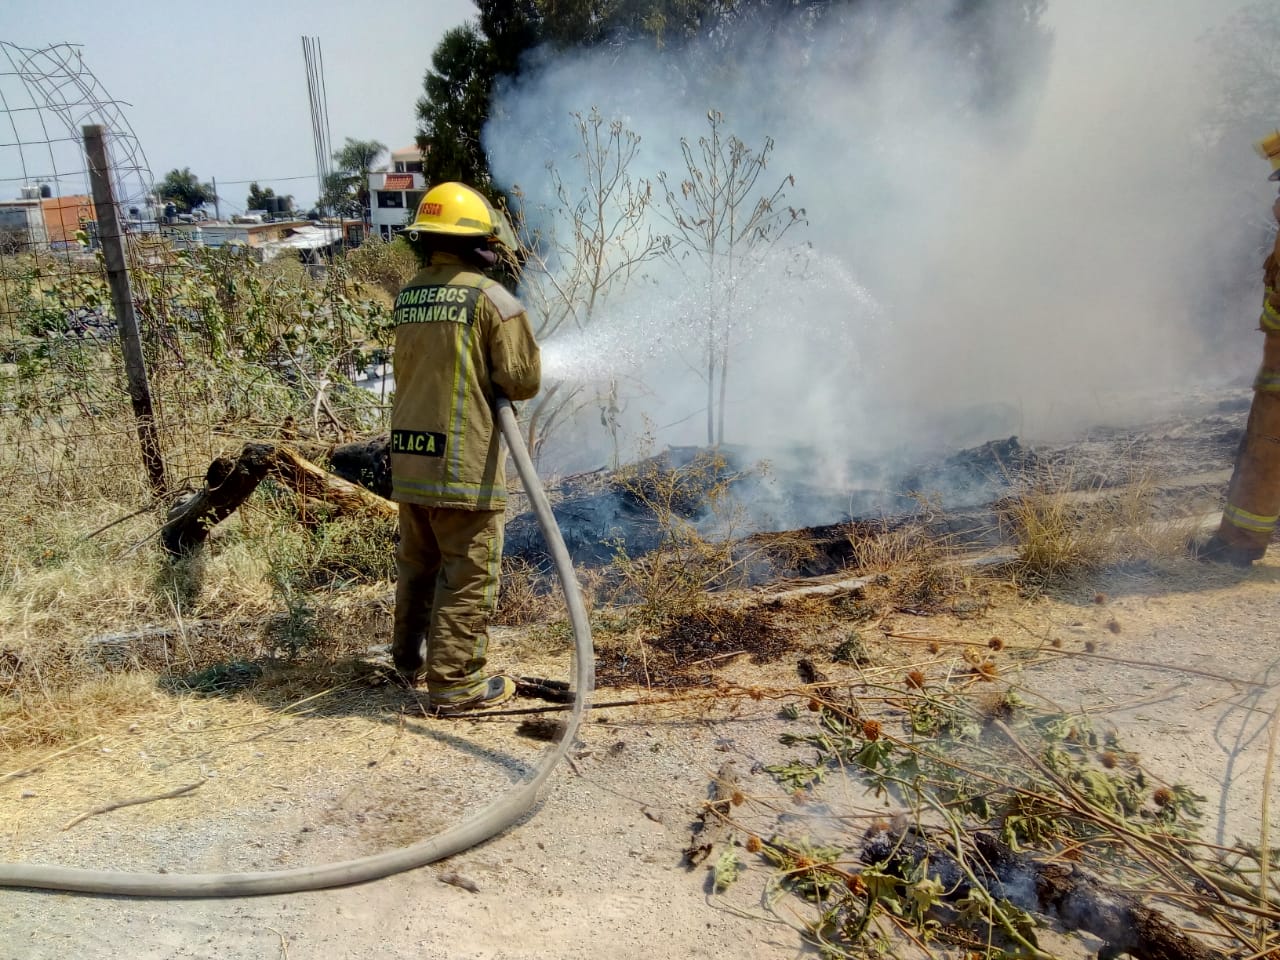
<point>39,219</point>
<point>394,193</point>
<point>65,216</point>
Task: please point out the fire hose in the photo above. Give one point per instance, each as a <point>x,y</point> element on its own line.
<point>488,822</point>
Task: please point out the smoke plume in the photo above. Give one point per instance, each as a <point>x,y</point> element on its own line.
<point>1011,227</point>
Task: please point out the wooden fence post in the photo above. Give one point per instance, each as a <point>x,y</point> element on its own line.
<point>112,240</point>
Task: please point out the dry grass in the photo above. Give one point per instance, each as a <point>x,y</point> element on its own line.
<point>921,572</point>
<point>73,606</point>
<point>63,714</point>
<point>1063,531</point>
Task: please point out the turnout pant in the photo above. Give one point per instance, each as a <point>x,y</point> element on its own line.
<point>448,563</point>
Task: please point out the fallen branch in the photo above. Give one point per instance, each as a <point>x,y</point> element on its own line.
<point>835,588</point>
<point>228,483</point>
<point>712,822</point>
<point>108,807</point>
<point>308,480</point>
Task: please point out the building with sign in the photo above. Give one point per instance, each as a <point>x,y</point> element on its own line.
<point>394,193</point>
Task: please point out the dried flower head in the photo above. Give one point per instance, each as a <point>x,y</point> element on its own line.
<point>934,646</point>
<point>814,705</point>
<point>1090,646</point>
<point>871,729</point>
<point>738,798</point>
<point>1113,625</point>
<point>915,680</point>
<point>1099,598</point>
<point>1162,796</point>
<point>754,844</point>
<point>1056,643</point>
<point>996,643</point>
<point>1108,760</point>
<point>987,670</point>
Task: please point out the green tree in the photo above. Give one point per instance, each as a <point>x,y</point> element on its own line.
<point>184,190</point>
<point>338,196</point>
<point>469,60</point>
<point>353,160</point>
<point>257,198</point>
<point>455,107</point>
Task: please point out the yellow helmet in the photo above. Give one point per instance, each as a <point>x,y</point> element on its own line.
<point>1269,149</point>
<point>456,210</point>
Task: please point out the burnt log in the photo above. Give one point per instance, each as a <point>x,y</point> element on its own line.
<point>229,483</point>
<point>365,462</point>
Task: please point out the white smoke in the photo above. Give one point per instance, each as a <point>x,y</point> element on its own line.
<point>972,273</point>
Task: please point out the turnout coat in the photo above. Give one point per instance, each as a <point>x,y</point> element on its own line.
<point>461,338</point>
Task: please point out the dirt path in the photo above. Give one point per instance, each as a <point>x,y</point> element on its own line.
<point>595,871</point>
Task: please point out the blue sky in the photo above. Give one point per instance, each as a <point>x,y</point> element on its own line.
<point>221,88</point>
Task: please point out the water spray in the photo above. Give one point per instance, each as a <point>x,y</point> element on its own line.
<point>489,822</point>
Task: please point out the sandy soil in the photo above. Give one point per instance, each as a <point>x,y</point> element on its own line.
<point>1181,661</point>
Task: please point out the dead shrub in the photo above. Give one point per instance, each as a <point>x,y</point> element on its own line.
<point>674,579</point>
<point>527,594</point>
<point>1064,528</point>
<point>921,571</point>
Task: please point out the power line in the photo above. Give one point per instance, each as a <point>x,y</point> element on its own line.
<point>305,176</point>
<point>317,96</point>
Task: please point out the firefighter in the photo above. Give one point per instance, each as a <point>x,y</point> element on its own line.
<point>1253,497</point>
<point>461,339</point>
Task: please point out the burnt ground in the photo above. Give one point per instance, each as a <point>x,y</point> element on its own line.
<point>666,513</point>
<point>954,493</point>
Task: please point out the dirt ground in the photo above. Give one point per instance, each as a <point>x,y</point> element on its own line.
<point>1181,661</point>
<point>1177,657</point>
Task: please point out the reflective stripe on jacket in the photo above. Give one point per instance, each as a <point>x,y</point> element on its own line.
<point>459,338</point>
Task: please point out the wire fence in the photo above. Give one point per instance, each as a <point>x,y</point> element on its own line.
<point>234,349</point>
<point>250,339</point>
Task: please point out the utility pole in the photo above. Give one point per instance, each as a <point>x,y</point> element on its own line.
<point>112,240</point>
<point>217,211</point>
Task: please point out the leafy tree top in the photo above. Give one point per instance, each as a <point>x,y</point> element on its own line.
<point>184,190</point>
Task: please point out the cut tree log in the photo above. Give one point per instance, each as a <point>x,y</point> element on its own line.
<point>229,483</point>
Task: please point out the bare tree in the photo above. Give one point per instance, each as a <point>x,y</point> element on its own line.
<point>595,242</point>
<point>725,224</point>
